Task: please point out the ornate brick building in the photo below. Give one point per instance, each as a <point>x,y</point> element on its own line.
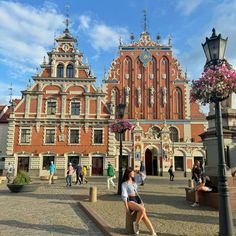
<point>149,80</point>
<point>63,117</point>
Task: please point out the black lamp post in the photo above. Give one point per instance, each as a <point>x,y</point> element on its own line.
<point>121,112</point>
<point>214,49</point>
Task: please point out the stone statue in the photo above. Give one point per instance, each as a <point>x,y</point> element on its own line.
<point>127,90</point>
<point>152,91</point>
<point>164,93</point>
<point>112,108</point>
<point>139,95</point>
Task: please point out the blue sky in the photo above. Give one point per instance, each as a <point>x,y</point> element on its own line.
<point>28,27</point>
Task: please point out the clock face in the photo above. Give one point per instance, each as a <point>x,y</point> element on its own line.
<point>145,57</point>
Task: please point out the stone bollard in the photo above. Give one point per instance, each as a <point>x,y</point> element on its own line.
<point>93,194</point>
<point>129,222</point>
<point>190,183</point>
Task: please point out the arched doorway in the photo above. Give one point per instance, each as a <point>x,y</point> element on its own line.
<point>148,162</point>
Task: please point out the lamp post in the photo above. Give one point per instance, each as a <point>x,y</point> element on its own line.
<point>214,49</point>
<point>121,112</point>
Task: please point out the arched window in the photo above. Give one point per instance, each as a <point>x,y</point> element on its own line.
<point>156,131</point>
<point>174,136</point>
<point>178,103</point>
<point>70,71</point>
<point>60,71</point>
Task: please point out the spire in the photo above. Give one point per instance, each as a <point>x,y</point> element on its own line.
<point>145,20</point>
<point>67,21</point>
<point>10,94</point>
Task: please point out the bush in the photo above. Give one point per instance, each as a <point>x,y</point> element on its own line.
<point>22,178</point>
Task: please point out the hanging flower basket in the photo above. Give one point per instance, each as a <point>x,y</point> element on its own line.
<point>215,84</point>
<point>121,126</point>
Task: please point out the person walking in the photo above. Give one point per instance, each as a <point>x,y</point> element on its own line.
<point>171,173</point>
<point>10,172</point>
<point>84,173</point>
<point>110,176</point>
<point>52,170</point>
<point>142,172</point>
<point>70,172</point>
<point>133,201</point>
<point>79,174</point>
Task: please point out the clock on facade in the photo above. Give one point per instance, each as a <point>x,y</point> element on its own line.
<point>145,57</point>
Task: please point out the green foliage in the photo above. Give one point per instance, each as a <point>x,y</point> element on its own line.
<point>22,178</point>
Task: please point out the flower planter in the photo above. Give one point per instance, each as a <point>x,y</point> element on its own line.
<point>15,188</point>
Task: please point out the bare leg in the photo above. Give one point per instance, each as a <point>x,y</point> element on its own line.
<point>148,223</point>
<point>141,215</point>
<point>133,206</point>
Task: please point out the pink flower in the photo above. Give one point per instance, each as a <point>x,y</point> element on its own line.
<point>214,85</point>
<point>120,126</point>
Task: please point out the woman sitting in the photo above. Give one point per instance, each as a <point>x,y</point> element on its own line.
<point>133,201</point>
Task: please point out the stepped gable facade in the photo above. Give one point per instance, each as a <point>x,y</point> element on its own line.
<point>63,117</point>
<point>149,80</point>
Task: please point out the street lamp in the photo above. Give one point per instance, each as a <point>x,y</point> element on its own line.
<point>121,112</point>
<point>214,49</point>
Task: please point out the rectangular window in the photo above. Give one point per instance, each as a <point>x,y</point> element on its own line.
<point>25,136</point>
<point>74,136</point>
<point>50,136</point>
<point>75,108</point>
<point>51,108</point>
<point>98,136</point>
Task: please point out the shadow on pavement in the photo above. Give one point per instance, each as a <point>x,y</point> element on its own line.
<point>56,228</point>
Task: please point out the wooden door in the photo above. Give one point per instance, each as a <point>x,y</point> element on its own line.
<point>148,162</point>
<point>97,165</point>
<point>23,164</point>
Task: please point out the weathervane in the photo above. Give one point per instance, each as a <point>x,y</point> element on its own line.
<point>145,20</point>
<point>67,21</point>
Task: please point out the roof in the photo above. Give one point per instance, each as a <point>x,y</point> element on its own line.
<point>4,113</point>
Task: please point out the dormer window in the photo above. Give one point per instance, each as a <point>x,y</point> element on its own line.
<point>60,71</point>
<point>70,71</point>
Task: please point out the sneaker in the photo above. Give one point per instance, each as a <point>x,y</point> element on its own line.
<point>154,234</point>
<point>135,228</point>
<point>195,204</point>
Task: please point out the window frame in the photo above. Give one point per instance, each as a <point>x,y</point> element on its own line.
<point>47,107</point>
<point>70,71</point>
<point>69,138</point>
<point>60,70</point>
<point>29,136</point>
<point>102,138</point>
<point>75,101</point>
<point>45,136</point>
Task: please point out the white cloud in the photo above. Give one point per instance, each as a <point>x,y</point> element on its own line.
<point>188,6</point>
<point>84,21</point>
<point>26,33</point>
<point>102,36</point>
<point>223,20</point>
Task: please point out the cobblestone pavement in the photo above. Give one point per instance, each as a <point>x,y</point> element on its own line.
<point>166,206</point>
<point>53,210</point>
<point>49,211</point>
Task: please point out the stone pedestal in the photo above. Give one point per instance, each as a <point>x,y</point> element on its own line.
<point>211,144</point>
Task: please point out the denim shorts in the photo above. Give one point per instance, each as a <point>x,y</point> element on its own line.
<point>135,199</point>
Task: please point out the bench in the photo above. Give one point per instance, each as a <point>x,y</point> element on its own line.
<point>209,199</point>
